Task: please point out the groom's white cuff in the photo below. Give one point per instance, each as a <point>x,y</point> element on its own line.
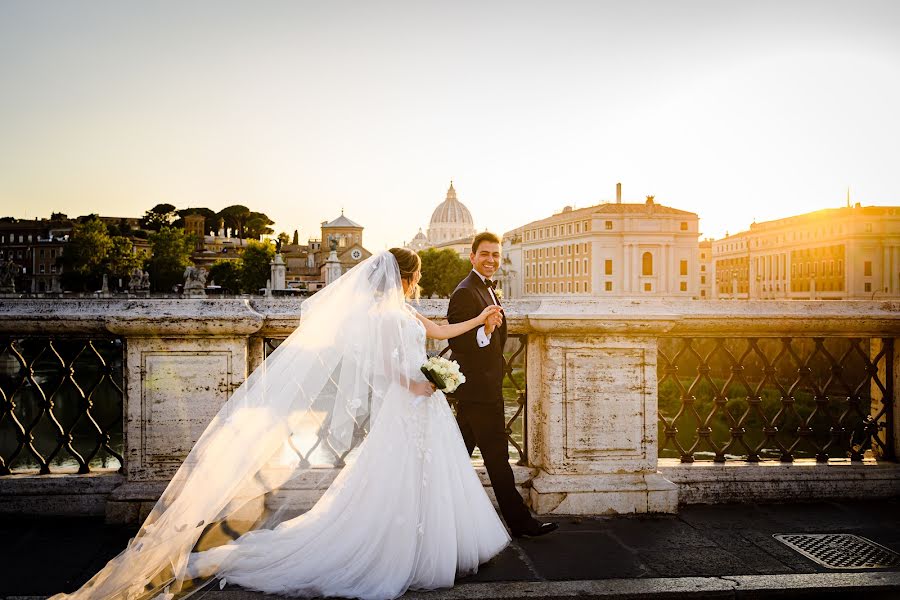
<point>483,338</point>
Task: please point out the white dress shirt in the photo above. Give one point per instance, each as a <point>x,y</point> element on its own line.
<point>481,337</point>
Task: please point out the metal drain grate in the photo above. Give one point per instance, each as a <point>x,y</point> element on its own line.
<point>841,550</point>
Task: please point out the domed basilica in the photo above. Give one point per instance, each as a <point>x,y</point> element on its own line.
<point>451,227</point>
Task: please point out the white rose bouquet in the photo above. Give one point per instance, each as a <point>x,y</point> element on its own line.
<point>443,373</point>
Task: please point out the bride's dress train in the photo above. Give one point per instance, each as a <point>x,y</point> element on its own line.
<point>408,512</point>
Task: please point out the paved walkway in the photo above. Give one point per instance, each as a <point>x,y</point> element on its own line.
<point>723,551</point>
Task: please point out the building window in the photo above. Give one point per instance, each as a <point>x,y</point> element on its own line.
<point>577,227</point>
<point>684,286</point>
<point>867,268</point>
<point>868,230</point>
<point>684,226</point>
<point>702,279</point>
<point>585,267</point>
<point>569,287</point>
<point>554,287</point>
<point>578,286</point>
<point>608,286</point>
<point>42,268</point>
<point>554,272</point>
<point>609,224</point>
<point>840,267</point>
<point>607,267</point>
<point>647,265</point>
<point>569,230</point>
<point>587,286</point>
<point>868,286</point>
<point>541,288</point>
<point>577,267</point>
<point>648,287</point>
<point>569,269</point>
<point>684,267</point>
<point>53,268</point>
<point>540,269</point>
<point>703,293</point>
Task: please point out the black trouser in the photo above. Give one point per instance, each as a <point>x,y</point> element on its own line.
<point>484,425</point>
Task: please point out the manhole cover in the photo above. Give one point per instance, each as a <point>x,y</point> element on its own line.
<point>841,550</point>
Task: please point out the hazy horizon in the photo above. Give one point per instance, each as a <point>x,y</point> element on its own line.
<point>733,110</point>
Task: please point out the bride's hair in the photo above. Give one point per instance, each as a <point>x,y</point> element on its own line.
<point>408,262</point>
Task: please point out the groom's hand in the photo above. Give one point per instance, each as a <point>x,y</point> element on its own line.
<point>493,322</point>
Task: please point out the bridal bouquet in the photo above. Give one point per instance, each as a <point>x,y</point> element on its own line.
<point>443,373</point>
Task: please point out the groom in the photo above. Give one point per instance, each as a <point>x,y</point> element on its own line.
<point>479,408</point>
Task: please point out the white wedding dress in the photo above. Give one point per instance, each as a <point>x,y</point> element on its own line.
<point>408,513</point>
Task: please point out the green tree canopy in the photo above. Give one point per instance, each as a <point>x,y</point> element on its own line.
<point>228,274</point>
<point>442,270</point>
<point>158,217</point>
<point>83,258</point>
<point>211,222</point>
<point>121,259</point>
<point>255,269</point>
<point>172,249</point>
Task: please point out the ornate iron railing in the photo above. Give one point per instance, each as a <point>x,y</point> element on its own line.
<point>514,393</point>
<point>61,404</point>
<point>785,398</point>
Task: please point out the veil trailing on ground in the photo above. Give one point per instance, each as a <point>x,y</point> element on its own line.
<point>317,392</point>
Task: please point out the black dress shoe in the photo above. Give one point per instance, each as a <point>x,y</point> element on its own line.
<point>535,529</point>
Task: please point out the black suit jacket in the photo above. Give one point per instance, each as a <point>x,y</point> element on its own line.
<point>483,367</point>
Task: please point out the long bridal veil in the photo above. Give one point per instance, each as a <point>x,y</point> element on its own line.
<point>316,394</point>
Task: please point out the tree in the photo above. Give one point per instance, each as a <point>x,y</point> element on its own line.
<point>285,239</point>
<point>296,240</point>
<point>442,270</point>
<point>258,226</point>
<point>121,259</point>
<point>235,217</point>
<point>83,258</point>
<point>227,273</point>
<point>158,217</point>
<point>210,223</point>
<point>255,268</point>
<point>171,254</point>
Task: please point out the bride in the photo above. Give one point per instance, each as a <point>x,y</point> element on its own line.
<point>406,512</point>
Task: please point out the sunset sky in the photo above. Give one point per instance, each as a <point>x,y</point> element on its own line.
<point>732,110</point>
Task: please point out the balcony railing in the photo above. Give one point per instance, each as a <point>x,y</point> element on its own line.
<point>62,404</point>
<point>780,398</point>
<point>514,396</point>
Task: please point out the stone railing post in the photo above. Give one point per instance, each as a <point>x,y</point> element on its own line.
<point>183,361</point>
<point>592,414</point>
<point>889,376</point>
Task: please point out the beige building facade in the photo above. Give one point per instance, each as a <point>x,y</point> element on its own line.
<point>851,252</point>
<point>613,250</point>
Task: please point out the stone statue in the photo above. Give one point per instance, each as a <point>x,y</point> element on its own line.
<point>145,281</point>
<point>278,246</point>
<point>195,281</point>
<point>9,270</point>
<point>134,282</point>
<point>334,245</point>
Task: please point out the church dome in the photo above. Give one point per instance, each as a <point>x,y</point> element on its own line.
<point>451,220</point>
<point>451,211</point>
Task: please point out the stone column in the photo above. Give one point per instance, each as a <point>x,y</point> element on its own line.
<point>592,417</point>
<point>626,268</point>
<point>877,396</point>
<point>278,274</point>
<point>885,270</point>
<point>895,271</point>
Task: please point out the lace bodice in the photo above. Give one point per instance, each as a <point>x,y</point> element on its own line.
<point>416,335</point>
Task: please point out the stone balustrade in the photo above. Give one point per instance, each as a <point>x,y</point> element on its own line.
<point>592,422</point>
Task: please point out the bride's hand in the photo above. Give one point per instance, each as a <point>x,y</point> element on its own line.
<point>491,311</point>
<point>422,388</point>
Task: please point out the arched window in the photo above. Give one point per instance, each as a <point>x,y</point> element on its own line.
<point>647,264</point>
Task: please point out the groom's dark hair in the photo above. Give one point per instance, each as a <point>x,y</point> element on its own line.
<point>484,236</point>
